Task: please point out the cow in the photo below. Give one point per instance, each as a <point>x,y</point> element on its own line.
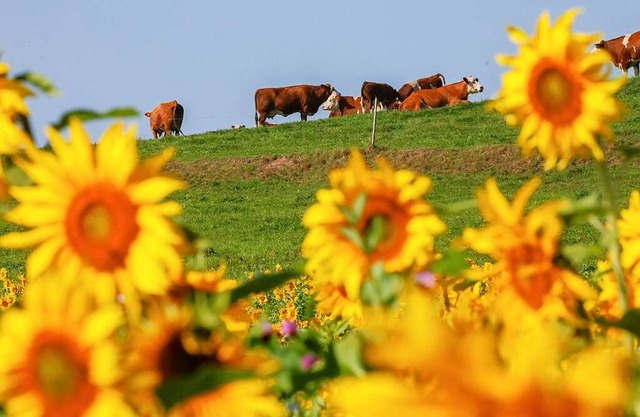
<point>448,95</point>
<point>624,51</point>
<point>236,127</point>
<point>304,99</point>
<point>385,94</point>
<point>433,81</point>
<point>340,105</point>
<point>166,118</point>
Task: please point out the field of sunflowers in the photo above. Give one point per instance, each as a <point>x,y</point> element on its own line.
<point>109,319</point>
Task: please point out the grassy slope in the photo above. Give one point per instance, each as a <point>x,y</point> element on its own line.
<point>249,188</point>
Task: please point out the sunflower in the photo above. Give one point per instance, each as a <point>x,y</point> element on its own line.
<point>164,346</point>
<point>334,303</point>
<point>525,244</point>
<point>12,104</point>
<point>95,212</point>
<point>60,356</point>
<point>629,229</point>
<point>369,217</point>
<point>559,92</point>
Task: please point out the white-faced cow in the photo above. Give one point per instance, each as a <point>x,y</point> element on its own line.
<point>387,96</point>
<point>340,105</point>
<point>166,118</point>
<point>447,95</point>
<point>624,51</point>
<point>304,99</point>
<point>433,81</point>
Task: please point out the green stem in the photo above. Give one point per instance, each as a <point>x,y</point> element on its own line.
<point>612,241</point>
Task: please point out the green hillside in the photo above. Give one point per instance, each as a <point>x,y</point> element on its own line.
<point>248,189</point>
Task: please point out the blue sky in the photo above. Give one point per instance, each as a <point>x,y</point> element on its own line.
<point>211,56</point>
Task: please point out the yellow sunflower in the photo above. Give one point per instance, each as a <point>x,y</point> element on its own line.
<point>12,104</point>
<point>96,212</point>
<point>60,358</point>
<point>163,346</point>
<point>559,92</point>
<point>369,217</point>
<point>526,244</point>
<point>629,229</point>
<point>334,303</point>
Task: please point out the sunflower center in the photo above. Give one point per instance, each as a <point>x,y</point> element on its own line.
<point>57,373</point>
<point>383,228</point>
<point>101,226</point>
<point>531,272</point>
<point>555,92</point>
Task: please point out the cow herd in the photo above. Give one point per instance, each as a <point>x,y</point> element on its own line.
<point>423,93</point>
<point>427,92</point>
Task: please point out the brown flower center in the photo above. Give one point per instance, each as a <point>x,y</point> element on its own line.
<point>60,373</point>
<point>101,226</point>
<point>555,92</point>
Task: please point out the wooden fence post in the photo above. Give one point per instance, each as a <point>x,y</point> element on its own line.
<point>375,114</point>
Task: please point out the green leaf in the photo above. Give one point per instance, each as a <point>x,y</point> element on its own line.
<point>88,115</point>
<point>457,207</point>
<point>348,353</point>
<point>629,322</point>
<point>577,254</point>
<point>260,283</point>
<point>174,391</point>
<point>376,231</point>
<point>353,216</point>
<point>39,81</point>
<point>452,263</point>
<point>354,236</point>
<point>463,285</point>
<point>579,211</point>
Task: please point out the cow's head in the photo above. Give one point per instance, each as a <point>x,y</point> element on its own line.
<point>473,85</point>
<point>332,103</point>
<point>599,45</point>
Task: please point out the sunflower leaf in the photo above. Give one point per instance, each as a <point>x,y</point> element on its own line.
<point>578,211</point>
<point>452,263</point>
<point>39,81</point>
<point>354,236</point>
<point>261,283</point>
<point>629,322</point>
<point>88,115</point>
<point>174,391</point>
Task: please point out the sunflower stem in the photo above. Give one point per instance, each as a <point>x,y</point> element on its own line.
<point>613,240</point>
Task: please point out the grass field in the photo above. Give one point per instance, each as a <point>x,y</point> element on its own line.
<point>248,189</point>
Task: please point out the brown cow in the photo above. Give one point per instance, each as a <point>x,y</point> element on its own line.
<point>425,83</point>
<point>340,105</point>
<point>304,99</point>
<point>166,118</point>
<point>624,51</point>
<point>385,94</point>
<point>447,95</point>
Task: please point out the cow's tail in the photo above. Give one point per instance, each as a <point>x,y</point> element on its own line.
<point>442,77</point>
<point>255,113</point>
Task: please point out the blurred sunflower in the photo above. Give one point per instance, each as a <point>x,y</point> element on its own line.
<point>525,244</point>
<point>164,346</point>
<point>629,230</point>
<point>366,218</point>
<point>12,105</point>
<point>334,303</point>
<point>95,212</point>
<point>64,360</point>
<point>559,92</point>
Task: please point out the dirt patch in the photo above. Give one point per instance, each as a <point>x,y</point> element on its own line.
<point>492,160</point>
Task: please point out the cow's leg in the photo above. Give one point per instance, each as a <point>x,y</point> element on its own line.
<point>262,119</point>
<point>303,116</point>
<point>636,69</point>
